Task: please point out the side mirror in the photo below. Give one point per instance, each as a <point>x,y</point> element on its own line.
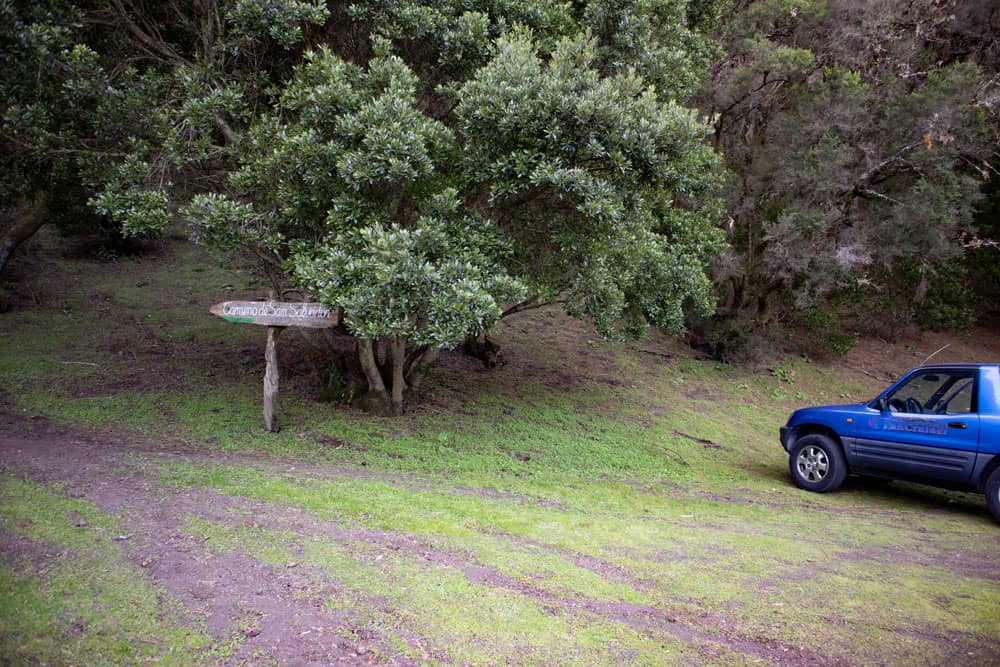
<point>882,404</point>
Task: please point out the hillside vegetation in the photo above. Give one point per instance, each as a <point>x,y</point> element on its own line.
<point>586,503</point>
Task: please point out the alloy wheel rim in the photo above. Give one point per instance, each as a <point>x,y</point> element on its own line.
<point>813,464</point>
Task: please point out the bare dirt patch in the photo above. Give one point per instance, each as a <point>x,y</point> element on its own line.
<point>20,551</point>
<point>882,361</point>
<point>274,612</point>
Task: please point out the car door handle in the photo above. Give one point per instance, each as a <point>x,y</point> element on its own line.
<point>956,424</point>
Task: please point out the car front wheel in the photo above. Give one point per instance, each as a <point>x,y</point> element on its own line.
<point>817,464</point>
<point>993,494</point>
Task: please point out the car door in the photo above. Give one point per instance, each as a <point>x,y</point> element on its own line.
<point>926,428</point>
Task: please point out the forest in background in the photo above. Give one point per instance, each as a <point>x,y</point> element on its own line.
<point>730,169</point>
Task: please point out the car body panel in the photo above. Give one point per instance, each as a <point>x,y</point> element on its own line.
<point>989,410</point>
<point>841,419</point>
<point>917,446</point>
<point>954,449</point>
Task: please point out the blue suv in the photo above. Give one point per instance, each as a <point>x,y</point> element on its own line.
<point>938,425</point>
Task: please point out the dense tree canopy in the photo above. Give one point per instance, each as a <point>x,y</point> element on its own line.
<point>860,135</point>
<point>126,104</point>
<point>423,198</point>
<point>423,167</point>
<point>427,168</point>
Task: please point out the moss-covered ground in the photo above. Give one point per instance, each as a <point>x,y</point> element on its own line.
<point>586,503</point>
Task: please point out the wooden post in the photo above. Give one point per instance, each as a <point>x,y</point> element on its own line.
<point>271,379</point>
<point>276,316</point>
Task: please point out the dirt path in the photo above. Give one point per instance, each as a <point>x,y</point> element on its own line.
<point>277,613</point>
<point>281,613</point>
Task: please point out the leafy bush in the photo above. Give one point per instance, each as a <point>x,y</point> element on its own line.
<point>824,332</point>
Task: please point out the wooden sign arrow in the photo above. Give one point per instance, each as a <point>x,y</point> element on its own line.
<point>277,313</point>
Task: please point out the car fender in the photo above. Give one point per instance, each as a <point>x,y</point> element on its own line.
<point>835,421</point>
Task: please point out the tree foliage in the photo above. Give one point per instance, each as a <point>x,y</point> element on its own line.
<point>860,135</point>
<point>129,101</point>
<point>427,199</point>
<point>427,168</point>
<point>423,167</point>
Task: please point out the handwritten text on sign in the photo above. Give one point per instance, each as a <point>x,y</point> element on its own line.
<point>277,313</point>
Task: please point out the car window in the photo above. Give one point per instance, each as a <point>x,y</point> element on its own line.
<point>940,392</point>
<point>958,400</point>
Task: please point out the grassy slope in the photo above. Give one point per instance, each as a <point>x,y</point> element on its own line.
<point>69,606</point>
<point>583,474</point>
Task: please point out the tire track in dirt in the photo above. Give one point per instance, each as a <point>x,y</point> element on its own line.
<point>18,550</point>
<point>272,613</point>
<point>600,567</point>
<point>964,563</point>
<point>652,621</point>
<point>319,473</point>
<point>235,594</point>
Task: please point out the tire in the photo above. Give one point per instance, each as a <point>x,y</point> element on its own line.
<point>993,494</point>
<point>817,464</point>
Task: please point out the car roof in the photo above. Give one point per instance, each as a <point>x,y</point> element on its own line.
<point>964,364</point>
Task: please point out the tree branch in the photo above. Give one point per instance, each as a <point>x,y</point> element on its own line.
<point>528,304</point>
<point>28,219</point>
<point>873,193</point>
<point>867,176</point>
<point>152,44</point>
<point>419,366</point>
<point>398,346</point>
<point>224,128</point>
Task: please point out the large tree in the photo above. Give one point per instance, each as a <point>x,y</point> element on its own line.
<point>423,167</point>
<point>860,134</point>
<point>124,106</point>
<point>476,162</point>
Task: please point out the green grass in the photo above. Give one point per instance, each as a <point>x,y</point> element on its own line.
<point>472,626</point>
<point>583,474</point>
<point>83,602</point>
<point>673,550</point>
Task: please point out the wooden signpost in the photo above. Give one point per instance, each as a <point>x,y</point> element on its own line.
<point>275,315</point>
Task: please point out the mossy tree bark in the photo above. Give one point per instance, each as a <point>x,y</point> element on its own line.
<point>393,373</point>
<point>26,219</point>
<point>398,380</point>
<point>271,379</point>
<point>377,398</point>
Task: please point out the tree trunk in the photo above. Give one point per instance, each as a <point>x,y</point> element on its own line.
<point>389,388</point>
<point>377,398</point>
<point>366,352</point>
<point>418,367</point>
<point>483,348</point>
<point>414,357</point>
<point>398,382</point>
<point>28,219</point>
